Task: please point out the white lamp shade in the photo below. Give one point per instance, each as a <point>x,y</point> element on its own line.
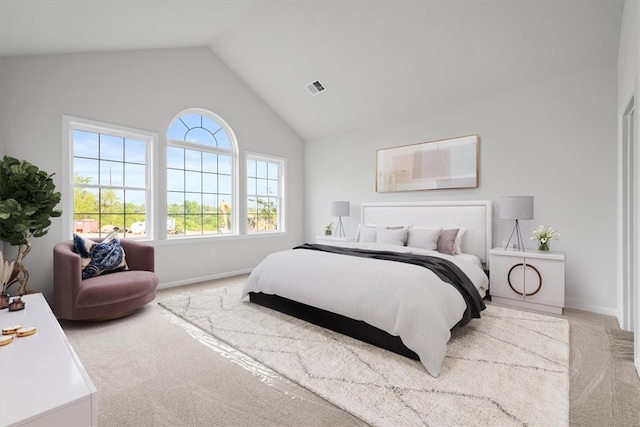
<point>340,208</point>
<point>516,207</point>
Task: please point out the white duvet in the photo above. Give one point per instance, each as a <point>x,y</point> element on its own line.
<point>402,299</point>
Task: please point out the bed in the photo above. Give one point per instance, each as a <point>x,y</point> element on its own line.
<point>403,296</point>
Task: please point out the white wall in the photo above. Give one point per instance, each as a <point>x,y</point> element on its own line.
<point>144,90</point>
<point>555,140</point>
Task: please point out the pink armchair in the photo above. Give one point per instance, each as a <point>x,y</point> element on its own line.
<point>106,296</point>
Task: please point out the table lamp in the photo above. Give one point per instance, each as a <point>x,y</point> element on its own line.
<point>340,209</point>
<point>517,208</point>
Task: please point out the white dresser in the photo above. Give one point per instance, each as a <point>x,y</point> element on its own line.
<point>530,279</point>
<point>42,382</point>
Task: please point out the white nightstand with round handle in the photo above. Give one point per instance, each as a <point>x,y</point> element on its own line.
<point>530,279</point>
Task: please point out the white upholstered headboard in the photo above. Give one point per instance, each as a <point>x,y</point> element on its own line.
<point>475,216</point>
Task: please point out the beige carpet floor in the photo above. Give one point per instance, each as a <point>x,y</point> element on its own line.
<point>149,371</point>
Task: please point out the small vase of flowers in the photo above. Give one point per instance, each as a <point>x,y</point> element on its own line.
<point>328,228</point>
<point>544,234</point>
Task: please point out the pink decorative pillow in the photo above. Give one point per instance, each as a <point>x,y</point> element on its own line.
<point>447,241</point>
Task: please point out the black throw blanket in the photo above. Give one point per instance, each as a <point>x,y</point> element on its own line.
<point>444,269</point>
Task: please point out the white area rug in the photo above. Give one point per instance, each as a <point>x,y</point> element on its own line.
<point>509,368</point>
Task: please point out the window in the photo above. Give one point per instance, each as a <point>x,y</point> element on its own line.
<point>110,179</point>
<point>265,178</point>
<point>109,169</point>
<point>201,157</point>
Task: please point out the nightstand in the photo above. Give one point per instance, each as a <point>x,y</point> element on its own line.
<point>328,240</point>
<point>529,279</point>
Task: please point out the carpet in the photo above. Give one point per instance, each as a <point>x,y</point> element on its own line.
<point>509,368</point>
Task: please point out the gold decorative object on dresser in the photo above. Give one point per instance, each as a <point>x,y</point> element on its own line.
<point>529,279</point>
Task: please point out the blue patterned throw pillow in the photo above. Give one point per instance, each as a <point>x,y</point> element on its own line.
<point>100,258</point>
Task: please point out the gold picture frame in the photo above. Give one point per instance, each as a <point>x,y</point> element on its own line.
<point>434,165</point>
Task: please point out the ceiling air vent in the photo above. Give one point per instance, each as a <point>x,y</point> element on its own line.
<point>315,87</point>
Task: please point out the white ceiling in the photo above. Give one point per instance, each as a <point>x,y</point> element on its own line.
<point>379,60</point>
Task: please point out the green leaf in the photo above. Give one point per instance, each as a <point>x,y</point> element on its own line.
<point>27,201</point>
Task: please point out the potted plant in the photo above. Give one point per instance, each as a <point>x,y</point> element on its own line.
<point>27,204</point>
<point>328,227</point>
<point>544,234</point>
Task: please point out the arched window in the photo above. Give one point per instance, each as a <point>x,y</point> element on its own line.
<point>201,175</point>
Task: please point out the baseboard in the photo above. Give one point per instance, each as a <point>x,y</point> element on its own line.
<point>592,308</point>
<point>638,365</point>
<point>192,280</point>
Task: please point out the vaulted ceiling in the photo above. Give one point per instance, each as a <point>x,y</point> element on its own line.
<point>379,60</point>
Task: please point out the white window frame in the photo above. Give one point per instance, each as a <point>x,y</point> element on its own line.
<point>156,199</point>
<point>282,171</point>
<point>236,208</point>
<point>71,123</point>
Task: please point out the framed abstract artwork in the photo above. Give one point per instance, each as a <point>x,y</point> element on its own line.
<point>443,164</point>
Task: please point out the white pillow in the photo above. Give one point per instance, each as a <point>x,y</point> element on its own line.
<point>423,238</point>
<point>396,236</point>
<point>457,246</point>
<point>366,233</point>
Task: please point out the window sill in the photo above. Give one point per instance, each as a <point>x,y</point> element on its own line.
<point>216,238</point>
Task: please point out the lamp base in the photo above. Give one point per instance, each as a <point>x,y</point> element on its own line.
<point>519,242</point>
<point>339,228</point>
